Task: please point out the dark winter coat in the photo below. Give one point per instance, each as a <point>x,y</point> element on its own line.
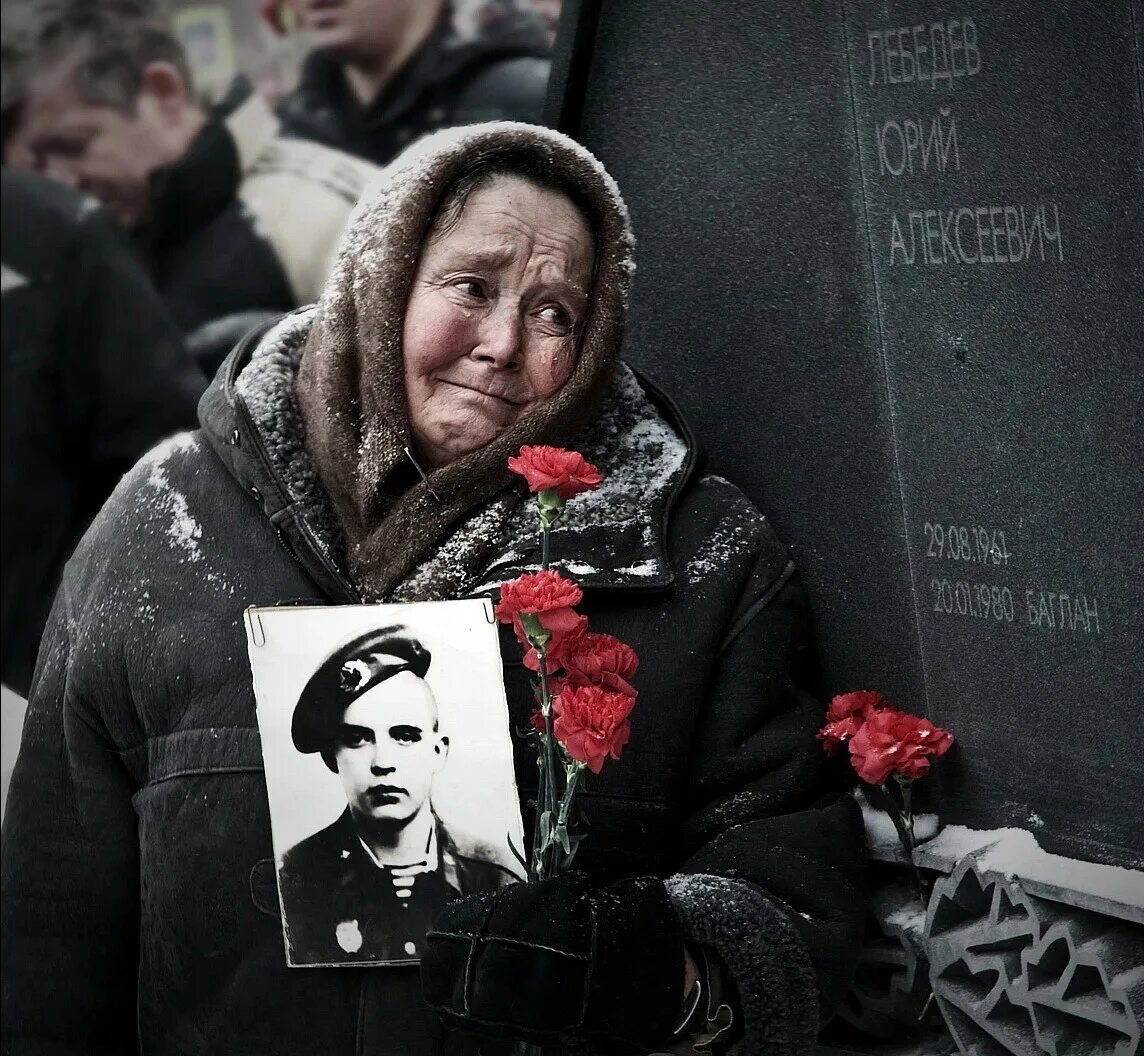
<point>328,881</point>
<point>138,875</point>
<point>495,72</point>
<point>94,374</point>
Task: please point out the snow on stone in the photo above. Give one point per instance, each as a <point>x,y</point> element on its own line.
<point>910,918</point>
<point>880,831</point>
<point>1015,853</point>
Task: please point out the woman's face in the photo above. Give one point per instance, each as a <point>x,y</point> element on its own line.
<point>493,320</point>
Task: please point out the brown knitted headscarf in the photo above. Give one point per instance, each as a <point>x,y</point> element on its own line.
<point>351,387</point>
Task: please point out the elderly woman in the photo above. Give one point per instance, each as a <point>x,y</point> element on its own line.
<point>357,451</point>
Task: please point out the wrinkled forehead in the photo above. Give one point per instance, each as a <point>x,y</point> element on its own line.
<point>404,699</point>
<point>505,187</point>
<point>512,218</point>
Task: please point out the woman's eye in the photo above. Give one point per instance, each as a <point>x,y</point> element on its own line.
<point>554,315</point>
<point>469,287</point>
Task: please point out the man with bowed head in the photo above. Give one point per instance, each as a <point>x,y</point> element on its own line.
<point>233,218</point>
<point>357,451</point>
<point>367,886</point>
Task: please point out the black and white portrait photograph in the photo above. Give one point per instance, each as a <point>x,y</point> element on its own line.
<point>388,771</point>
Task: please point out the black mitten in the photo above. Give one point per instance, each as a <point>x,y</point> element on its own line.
<point>559,957</point>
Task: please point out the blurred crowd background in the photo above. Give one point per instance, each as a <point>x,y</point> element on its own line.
<point>268,40</point>
<point>176,174</point>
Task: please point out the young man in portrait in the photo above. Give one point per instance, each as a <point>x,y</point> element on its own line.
<point>366,887</point>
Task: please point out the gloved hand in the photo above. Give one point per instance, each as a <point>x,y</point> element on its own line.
<point>559,958</point>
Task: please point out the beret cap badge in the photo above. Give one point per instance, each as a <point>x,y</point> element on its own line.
<point>352,674</point>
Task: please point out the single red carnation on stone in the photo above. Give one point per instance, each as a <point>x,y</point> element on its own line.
<point>592,723</point>
<point>892,742</point>
<point>592,659</point>
<point>555,469</point>
<point>845,715</point>
<point>858,704</point>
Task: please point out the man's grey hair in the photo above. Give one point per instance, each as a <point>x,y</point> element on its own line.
<point>109,43</point>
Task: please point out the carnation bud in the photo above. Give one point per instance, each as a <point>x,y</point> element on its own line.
<point>537,634</point>
<point>550,507</point>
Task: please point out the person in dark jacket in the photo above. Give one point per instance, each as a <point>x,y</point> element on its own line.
<point>357,451</point>
<point>384,72</point>
<point>235,222</point>
<point>95,373</point>
<point>367,886</point>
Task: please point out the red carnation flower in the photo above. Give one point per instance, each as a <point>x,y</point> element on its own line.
<point>547,595</point>
<point>570,633</point>
<point>892,742</point>
<point>555,469</point>
<point>592,659</point>
<point>845,715</point>
<point>592,723</point>
<point>858,704</point>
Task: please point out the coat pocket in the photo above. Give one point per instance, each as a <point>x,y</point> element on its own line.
<point>205,854</point>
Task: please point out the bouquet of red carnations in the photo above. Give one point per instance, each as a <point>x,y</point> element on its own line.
<point>583,689</point>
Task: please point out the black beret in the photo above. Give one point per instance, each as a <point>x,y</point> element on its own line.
<point>345,675</point>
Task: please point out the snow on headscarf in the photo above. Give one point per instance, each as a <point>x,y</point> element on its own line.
<point>351,387</point>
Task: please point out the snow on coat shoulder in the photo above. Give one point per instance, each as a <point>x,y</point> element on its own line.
<point>153,512</point>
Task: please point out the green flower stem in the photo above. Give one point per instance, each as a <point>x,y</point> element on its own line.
<point>541,800</point>
<point>572,773</point>
<point>549,508</point>
<point>907,787</point>
<point>546,850</point>
<point>549,761</point>
<point>903,819</point>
